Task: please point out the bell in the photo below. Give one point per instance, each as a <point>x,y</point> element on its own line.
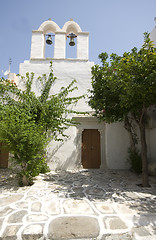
<point>49,40</point>
<point>72,36</point>
<point>72,43</point>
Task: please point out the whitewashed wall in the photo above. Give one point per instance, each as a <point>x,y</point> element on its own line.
<point>117,143</point>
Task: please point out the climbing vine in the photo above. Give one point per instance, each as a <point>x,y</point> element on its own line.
<point>29,122</point>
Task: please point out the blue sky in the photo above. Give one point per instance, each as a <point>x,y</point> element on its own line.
<point>114,25</point>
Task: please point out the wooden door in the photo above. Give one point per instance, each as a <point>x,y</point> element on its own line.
<point>91,153</point>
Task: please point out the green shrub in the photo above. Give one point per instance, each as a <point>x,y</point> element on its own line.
<point>28,122</point>
<point>134,157</point>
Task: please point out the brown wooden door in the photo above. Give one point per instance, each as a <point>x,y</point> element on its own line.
<point>91,153</point>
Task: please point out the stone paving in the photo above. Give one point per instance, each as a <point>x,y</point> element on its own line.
<point>85,204</point>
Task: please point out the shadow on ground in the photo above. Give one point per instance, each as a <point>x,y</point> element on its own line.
<point>95,185</point>
<point>101,185</point>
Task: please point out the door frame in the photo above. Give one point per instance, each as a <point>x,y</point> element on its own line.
<point>90,123</point>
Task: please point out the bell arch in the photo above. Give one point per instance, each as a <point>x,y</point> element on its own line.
<point>38,38</point>
<point>71,27</point>
<point>81,44</point>
<point>49,26</point>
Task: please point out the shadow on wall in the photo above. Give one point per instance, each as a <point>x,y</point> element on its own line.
<point>59,158</point>
<point>70,163</point>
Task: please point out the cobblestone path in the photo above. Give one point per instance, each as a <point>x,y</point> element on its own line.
<point>86,204</point>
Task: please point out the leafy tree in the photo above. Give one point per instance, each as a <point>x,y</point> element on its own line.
<point>123,89</point>
<point>28,122</point>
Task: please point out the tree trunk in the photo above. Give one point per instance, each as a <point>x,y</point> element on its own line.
<point>145,182</point>
<point>128,127</point>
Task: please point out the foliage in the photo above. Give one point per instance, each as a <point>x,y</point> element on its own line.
<point>124,84</point>
<point>124,88</point>
<point>134,157</point>
<point>28,122</point>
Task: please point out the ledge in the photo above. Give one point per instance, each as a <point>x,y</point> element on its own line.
<point>88,117</point>
<point>59,59</point>
<point>83,33</point>
<point>37,31</point>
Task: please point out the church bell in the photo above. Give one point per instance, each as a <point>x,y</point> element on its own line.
<point>72,36</point>
<point>49,40</point>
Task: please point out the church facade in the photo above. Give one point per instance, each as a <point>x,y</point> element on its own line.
<point>90,144</point>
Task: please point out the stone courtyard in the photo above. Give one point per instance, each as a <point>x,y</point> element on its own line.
<point>85,204</point>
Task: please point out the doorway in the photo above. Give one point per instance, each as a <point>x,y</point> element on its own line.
<point>91,152</point>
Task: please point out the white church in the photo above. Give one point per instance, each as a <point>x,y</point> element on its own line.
<point>90,144</point>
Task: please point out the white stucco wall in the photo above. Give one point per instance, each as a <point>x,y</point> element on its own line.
<point>37,45</point>
<point>116,144</point>
<point>66,71</point>
<point>60,45</point>
<point>82,45</point>
<point>63,155</point>
<point>151,144</point>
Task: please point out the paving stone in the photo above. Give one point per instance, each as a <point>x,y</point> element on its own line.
<point>32,192</point>
<point>36,207</point>
<point>95,191</point>
<point>10,232</point>
<point>52,207</point>
<point>1,222</point>
<point>145,195</point>
<point>41,193</point>
<point>75,195</point>
<point>36,218</point>
<point>77,189</point>
<point>68,182</point>
<point>48,198</point>
<point>126,209</point>
<point>39,184</point>
<point>124,236</point>
<point>114,223</point>
<point>78,183</point>
<point>17,217</point>
<point>72,206</point>
<point>5,211</point>
<point>145,219</point>
<point>144,237</point>
<point>31,199</point>
<point>104,208</point>
<point>141,231</point>
<point>53,186</point>
<point>33,232</point>
<point>22,205</point>
<point>73,227</point>
<point>132,195</point>
<point>10,199</point>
